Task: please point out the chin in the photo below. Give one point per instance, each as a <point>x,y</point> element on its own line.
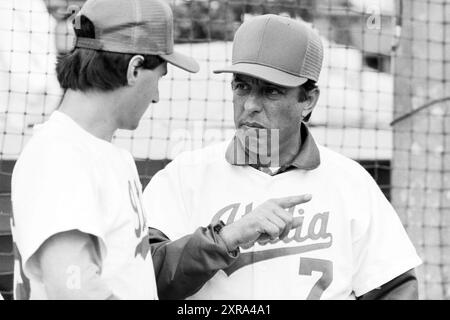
<point>129,126</point>
<point>133,126</point>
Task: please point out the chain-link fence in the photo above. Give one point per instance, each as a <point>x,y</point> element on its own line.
<point>383,99</point>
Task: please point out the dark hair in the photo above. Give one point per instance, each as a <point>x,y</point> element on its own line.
<point>305,88</point>
<point>87,69</point>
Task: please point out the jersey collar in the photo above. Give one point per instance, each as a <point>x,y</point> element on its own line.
<point>308,157</point>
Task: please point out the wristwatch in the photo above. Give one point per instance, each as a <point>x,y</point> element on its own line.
<point>217,228</point>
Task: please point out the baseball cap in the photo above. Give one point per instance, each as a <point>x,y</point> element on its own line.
<point>276,49</point>
<point>134,27</point>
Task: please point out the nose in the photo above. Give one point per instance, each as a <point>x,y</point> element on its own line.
<point>252,103</point>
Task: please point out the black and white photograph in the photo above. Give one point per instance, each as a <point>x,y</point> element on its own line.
<point>225,150</point>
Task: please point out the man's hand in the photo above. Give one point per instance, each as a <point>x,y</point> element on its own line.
<point>267,222</point>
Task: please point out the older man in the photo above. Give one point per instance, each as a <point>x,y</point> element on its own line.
<point>350,244</point>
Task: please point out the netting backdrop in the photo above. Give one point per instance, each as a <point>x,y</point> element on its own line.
<point>383,86</point>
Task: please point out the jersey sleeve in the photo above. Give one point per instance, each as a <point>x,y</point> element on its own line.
<point>53,191</point>
<point>382,249</point>
<point>71,267</point>
<point>165,205</point>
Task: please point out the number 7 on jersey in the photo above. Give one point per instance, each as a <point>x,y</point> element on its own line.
<point>308,265</point>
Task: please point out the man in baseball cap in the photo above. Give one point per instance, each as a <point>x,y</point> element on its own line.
<point>78,222</point>
<point>350,244</point>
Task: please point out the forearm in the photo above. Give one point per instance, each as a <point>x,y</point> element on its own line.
<point>183,266</point>
<point>403,287</point>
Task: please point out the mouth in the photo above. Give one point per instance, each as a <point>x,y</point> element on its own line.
<point>252,125</point>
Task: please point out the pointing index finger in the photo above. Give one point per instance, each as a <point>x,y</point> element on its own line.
<point>288,202</point>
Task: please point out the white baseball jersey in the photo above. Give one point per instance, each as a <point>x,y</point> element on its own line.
<point>351,240</point>
<point>67,179</point>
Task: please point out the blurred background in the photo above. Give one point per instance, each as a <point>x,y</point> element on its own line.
<point>384,100</point>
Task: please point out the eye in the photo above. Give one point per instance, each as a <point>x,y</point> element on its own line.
<point>273,92</point>
<point>240,87</point>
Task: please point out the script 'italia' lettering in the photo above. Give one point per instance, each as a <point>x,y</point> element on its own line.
<point>316,228</point>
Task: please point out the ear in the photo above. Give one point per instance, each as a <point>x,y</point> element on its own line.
<point>310,103</point>
<point>134,69</point>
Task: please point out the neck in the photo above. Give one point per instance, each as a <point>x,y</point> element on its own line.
<point>93,111</point>
<point>290,148</point>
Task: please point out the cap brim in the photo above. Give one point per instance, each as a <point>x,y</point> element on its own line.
<point>265,73</point>
<point>181,61</point>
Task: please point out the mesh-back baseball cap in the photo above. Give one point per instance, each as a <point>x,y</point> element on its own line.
<point>135,27</point>
<point>277,49</point>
